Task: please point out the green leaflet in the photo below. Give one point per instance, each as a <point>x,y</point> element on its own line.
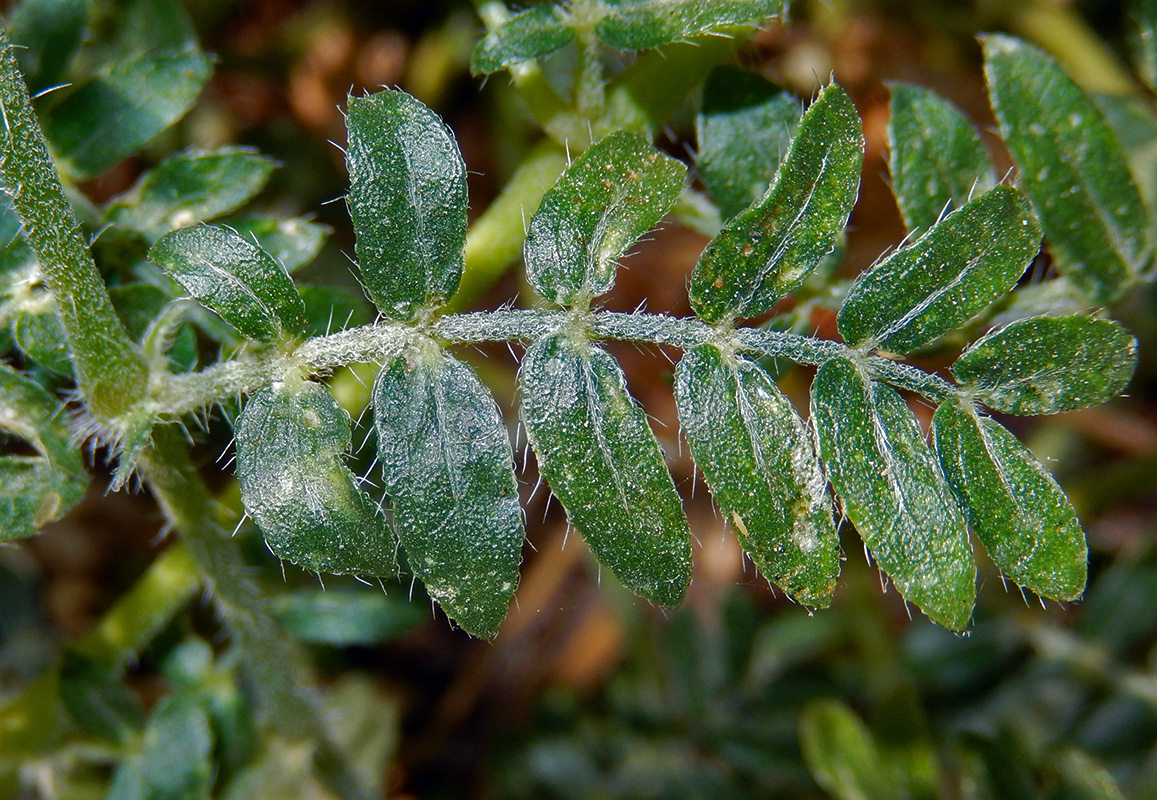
<point>642,24</point>
<point>175,761</point>
<point>603,463</point>
<point>233,277</point>
<point>891,487</point>
<point>744,130</point>
<point>1045,365</point>
<point>842,755</point>
<point>329,309</point>
<point>191,187</point>
<point>757,456</point>
<point>35,489</point>
<point>292,241</point>
<point>536,32</point>
<point>954,271</point>
<point>296,487</point>
<point>937,159</point>
<point>42,338</point>
<point>347,617</point>
<point>407,200</point>
<point>1145,40</point>
<point>97,699</point>
<point>47,34</point>
<point>613,194</point>
<point>766,251</point>
<point>96,124</point>
<point>1071,166</point>
<point>1014,506</point>
<point>449,472</point>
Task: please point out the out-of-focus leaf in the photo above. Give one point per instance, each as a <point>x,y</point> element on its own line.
<point>292,241</point>
<point>841,754</point>
<point>47,33</point>
<point>891,487</point>
<point>1083,778</point>
<point>613,194</point>
<point>176,758</point>
<point>1012,503</point>
<point>42,338</point>
<point>538,31</point>
<point>97,699</point>
<point>94,125</point>
<point>643,24</point>
<point>1134,122</point>
<point>954,271</point>
<point>407,200</point>
<point>344,618</point>
<point>144,308</point>
<point>18,264</point>
<point>233,277</point>
<point>295,486</point>
<point>328,310</point>
<point>1145,40</point>
<point>756,454</point>
<point>191,187</point>
<point>1055,298</point>
<point>768,250</point>
<point>1072,167</point>
<point>937,158</point>
<point>744,131</point>
<point>449,472</point>
<point>1045,365</point>
<point>35,489</point>
<point>603,463</point>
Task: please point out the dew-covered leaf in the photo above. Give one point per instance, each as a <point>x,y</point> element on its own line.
<point>960,266</point>
<point>42,338</point>
<point>292,241</point>
<point>613,194</point>
<point>233,277</point>
<point>1071,166</point>
<point>841,754</point>
<point>97,699</point>
<point>538,31</point>
<point>297,488</point>
<point>937,159</point>
<point>768,250</point>
<point>603,463</point>
<point>756,454</point>
<point>345,617</point>
<point>191,187</point>
<point>95,124</point>
<point>449,472</point>
<point>39,487</point>
<point>1045,365</point>
<point>890,486</point>
<point>744,131</point>
<point>1012,503</point>
<point>407,200</point>
<point>643,24</point>
<point>47,33</point>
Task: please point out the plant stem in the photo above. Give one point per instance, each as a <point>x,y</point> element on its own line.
<point>182,394</point>
<point>109,371</point>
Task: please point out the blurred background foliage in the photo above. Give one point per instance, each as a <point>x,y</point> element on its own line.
<point>588,692</point>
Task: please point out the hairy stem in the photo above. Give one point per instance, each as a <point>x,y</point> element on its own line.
<point>109,371</point>
<point>181,394</point>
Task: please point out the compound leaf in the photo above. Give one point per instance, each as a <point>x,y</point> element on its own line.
<point>1045,365</point>
<point>603,463</point>
<point>937,159</point>
<point>35,489</point>
<point>1014,506</point>
<point>744,131</point>
<point>536,32</point>
<point>233,277</point>
<point>613,194</point>
<point>757,456</point>
<point>1071,166</point>
<point>891,487</point>
<point>449,472</point>
<point>954,271</point>
<point>407,200</point>
<point>191,187</point>
<point>643,24</point>
<point>766,251</point>
<point>295,486</point>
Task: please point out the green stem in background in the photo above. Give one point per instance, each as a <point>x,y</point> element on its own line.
<point>109,371</point>
<point>182,394</point>
<point>271,658</point>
